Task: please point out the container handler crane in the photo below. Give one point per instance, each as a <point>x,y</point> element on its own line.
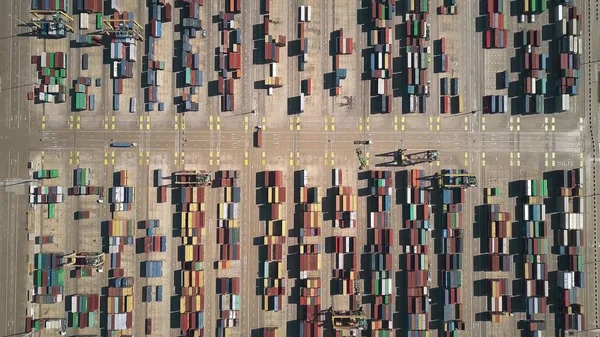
<point>361,159</point>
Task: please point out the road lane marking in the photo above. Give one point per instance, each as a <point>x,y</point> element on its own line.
<point>245,123</point>
<point>264,123</point>
<point>246,158</point>
<point>297,123</point>
<point>581,159</point>
<point>483,159</point>
<point>70,157</point>
<point>546,159</point>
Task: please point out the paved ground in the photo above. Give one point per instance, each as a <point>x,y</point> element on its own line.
<point>497,148</point>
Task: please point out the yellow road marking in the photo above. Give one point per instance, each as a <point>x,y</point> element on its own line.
<point>264,123</point>
<point>246,158</point>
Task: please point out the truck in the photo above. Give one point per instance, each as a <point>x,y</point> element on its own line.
<point>123,144</point>
<point>258,137</point>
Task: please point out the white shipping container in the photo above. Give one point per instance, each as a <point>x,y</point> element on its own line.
<point>302,16</point>
<point>273,69</point>
<point>409,60</point>
<point>302,101</point>
<point>74,303</point>
<point>528,187</point>
<point>532,85</point>
<point>526,212</point>
<point>43,60</point>
<point>84,21</point>
<point>308,13</point>
<point>559,12</point>
<point>380,86</point>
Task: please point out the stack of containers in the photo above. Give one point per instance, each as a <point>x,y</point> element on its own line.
<point>190,221</point>
<point>414,246</point>
<point>88,6</point>
<point>119,233</point>
<point>497,236</point>
<point>228,220</point>
<point>499,103</point>
<point>192,75</point>
<point>310,282</point>
<point>158,13</point>
<point>495,35</point>
<point>54,5</point>
<point>532,212</point>
<point>345,203</point>
<point>380,37</point>
<point>152,242</point>
<point>52,72</point>
<point>304,17</point>
<point>230,56</point>
<point>45,174</point>
<point>311,215</point>
<point>46,194</point>
<point>123,49</point>
<point>83,311</point>
<point>119,306</point>
<point>229,301</point>
<point>342,46</point>
<point>450,251</point>
<point>380,238</point>
<point>499,300</point>
<point>80,88</point>
<point>271,49</point>
<point>272,205</point>
<point>418,57</point>
<point>48,278</point>
<point>534,80</point>
<point>81,183</point>
<point>568,33</point>
<point>449,7</point>
<point>534,6</point>
<point>190,224</point>
<point>120,195</point>
<point>568,236</point>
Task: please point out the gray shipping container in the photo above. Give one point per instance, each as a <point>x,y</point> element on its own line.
<point>99,82</point>
<point>132,104</point>
<point>116,102</point>
<point>92,102</point>
<point>84,61</point>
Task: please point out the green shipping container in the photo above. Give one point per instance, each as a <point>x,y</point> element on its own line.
<point>53,173</point>
<point>534,5</point>
<point>376,290</point>
<point>544,188</point>
<point>51,213</point>
<point>99,21</point>
<point>188,76</point>
<point>542,6</point>
<point>425,6</point>
<point>52,61</point>
<point>60,276</point>
<point>501,6</point>
<point>74,320</point>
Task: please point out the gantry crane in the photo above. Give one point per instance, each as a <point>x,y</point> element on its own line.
<point>81,259</point>
<point>192,178</point>
<point>123,28</point>
<point>57,20</point>
<point>456,178</point>
<point>426,156</point>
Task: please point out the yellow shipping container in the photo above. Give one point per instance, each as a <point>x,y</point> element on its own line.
<point>265,302</point>
<point>129,304</point>
<point>280,269</point>
<point>182,307</point>
<point>128,291</point>
<point>265,283</point>
<point>189,253</point>
<point>198,300</point>
<point>318,261</point>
